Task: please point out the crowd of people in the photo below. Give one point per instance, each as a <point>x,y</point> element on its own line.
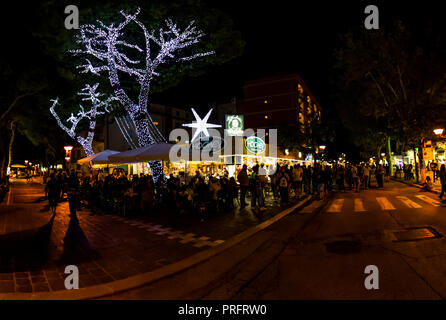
<point>200,194</point>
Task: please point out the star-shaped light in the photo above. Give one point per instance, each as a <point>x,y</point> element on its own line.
<point>201,125</point>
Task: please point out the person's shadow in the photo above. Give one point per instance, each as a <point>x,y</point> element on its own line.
<point>76,247</point>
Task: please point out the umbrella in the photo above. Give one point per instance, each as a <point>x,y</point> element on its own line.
<point>98,158</point>
<point>18,166</point>
<point>158,151</point>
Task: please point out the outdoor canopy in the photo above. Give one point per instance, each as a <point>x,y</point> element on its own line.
<point>159,151</point>
<point>98,158</point>
<point>18,166</point>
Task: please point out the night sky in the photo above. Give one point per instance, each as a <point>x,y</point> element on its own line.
<point>281,37</point>
<point>296,36</point>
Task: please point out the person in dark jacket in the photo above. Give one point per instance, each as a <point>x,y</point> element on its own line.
<point>243,179</point>
<point>73,192</point>
<point>53,189</point>
<point>442,176</point>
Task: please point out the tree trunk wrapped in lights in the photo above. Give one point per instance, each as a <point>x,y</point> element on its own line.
<point>106,44</point>
<point>98,107</point>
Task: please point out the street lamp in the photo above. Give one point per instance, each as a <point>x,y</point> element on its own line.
<point>438,132</point>
<point>68,154</point>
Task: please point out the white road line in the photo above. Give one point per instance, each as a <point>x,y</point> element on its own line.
<point>336,206</point>
<point>359,205</point>
<point>409,203</point>
<point>384,203</point>
<point>429,200</point>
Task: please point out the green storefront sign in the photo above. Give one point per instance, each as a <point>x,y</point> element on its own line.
<point>255,145</point>
<point>234,124</point>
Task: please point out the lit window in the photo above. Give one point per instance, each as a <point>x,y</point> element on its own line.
<point>266,101</point>
<point>155,123</point>
<point>266,117</point>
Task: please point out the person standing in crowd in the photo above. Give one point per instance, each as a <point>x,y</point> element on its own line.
<point>263,181</point>
<point>214,189</point>
<point>442,176</point>
<point>284,182</point>
<point>73,192</point>
<point>300,175</point>
<point>52,189</point>
<point>355,178</point>
<point>273,177</point>
<point>380,176</point>
<point>147,194</point>
<point>340,178</point>
<point>254,186</point>
<point>307,179</point>
<point>366,175</point>
<point>243,179</point>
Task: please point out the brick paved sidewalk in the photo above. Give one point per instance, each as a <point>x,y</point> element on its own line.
<point>109,247</point>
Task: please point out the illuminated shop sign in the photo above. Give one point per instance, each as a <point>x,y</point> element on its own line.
<point>255,145</point>
<point>234,124</point>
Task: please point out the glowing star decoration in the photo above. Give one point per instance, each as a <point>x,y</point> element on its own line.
<point>108,46</point>
<point>201,125</point>
<point>98,107</point>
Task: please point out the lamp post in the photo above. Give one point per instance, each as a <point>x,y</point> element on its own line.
<point>68,155</point>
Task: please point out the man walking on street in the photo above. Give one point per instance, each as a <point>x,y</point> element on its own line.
<point>73,192</point>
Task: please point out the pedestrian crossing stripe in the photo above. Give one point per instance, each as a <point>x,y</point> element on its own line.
<point>429,200</point>
<point>384,203</point>
<point>336,206</point>
<point>359,206</point>
<point>409,203</point>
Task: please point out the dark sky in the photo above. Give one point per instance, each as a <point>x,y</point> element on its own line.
<point>281,37</point>
<point>296,36</point>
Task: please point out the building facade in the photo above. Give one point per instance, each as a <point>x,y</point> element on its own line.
<point>273,102</point>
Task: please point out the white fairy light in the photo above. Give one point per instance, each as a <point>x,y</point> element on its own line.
<point>98,107</point>
<point>201,125</point>
<point>105,43</point>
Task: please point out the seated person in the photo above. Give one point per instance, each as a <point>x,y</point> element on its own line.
<point>428,185</point>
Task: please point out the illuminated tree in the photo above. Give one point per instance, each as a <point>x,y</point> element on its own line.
<point>98,107</point>
<point>107,45</point>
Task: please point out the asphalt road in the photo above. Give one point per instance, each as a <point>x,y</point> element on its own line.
<point>328,258</point>
<point>321,252</point>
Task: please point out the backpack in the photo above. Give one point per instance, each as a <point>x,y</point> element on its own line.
<point>283,182</point>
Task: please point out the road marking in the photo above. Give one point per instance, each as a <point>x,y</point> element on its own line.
<point>359,205</point>
<point>429,200</point>
<point>336,206</point>
<point>409,203</point>
<point>384,203</point>
<point>313,206</point>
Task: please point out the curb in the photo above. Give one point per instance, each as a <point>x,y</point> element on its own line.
<point>414,185</point>
<point>143,279</point>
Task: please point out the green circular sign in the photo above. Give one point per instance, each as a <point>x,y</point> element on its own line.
<point>255,145</point>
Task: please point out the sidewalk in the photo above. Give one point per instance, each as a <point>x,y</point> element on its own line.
<point>109,247</point>
<point>436,189</point>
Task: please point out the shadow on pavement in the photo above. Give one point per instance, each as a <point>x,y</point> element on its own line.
<point>76,246</point>
<point>25,250</point>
